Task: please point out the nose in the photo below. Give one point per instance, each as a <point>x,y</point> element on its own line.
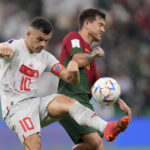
<point>103,29</point>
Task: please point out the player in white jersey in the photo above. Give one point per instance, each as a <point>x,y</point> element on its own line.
<point>22,62</point>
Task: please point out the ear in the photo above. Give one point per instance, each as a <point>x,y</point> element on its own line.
<point>28,33</point>
<point>86,23</point>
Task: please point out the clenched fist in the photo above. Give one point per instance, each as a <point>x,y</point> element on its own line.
<point>98,51</point>
<point>5,50</point>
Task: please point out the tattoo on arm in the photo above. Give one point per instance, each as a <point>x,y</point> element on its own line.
<point>90,56</point>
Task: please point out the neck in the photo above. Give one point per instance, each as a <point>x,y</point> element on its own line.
<point>26,44</point>
<point>85,36</point>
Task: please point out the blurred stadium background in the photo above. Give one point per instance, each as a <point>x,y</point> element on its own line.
<point>127,47</point>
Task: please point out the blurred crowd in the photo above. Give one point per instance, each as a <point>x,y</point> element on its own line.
<point>126,41</point>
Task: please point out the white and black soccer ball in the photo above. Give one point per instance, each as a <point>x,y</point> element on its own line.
<point>106,91</point>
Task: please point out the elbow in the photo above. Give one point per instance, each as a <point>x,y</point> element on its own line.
<point>74,80</point>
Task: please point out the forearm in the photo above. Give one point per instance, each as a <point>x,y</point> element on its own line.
<point>71,73</point>
<point>73,78</point>
<point>84,59</point>
<point>124,107</point>
<point>74,75</point>
<point>120,101</point>
<point>90,56</point>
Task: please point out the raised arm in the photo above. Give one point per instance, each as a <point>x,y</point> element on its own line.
<point>84,59</point>
<point>5,50</point>
<point>70,74</point>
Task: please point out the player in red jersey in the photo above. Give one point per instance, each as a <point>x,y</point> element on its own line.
<point>77,46</point>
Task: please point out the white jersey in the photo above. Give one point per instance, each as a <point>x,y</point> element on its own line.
<point>19,75</point>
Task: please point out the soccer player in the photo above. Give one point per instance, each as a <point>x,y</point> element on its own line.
<point>77,46</point>
<point>22,62</point>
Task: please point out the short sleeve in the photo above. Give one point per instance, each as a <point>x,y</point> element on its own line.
<point>13,44</point>
<point>73,44</point>
<point>50,61</point>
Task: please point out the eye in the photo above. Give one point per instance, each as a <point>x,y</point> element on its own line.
<point>46,41</point>
<point>101,25</point>
<point>40,39</point>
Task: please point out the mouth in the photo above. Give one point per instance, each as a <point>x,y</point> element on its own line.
<point>38,50</point>
<point>100,34</point>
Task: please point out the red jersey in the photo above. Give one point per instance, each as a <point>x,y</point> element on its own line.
<point>73,44</point>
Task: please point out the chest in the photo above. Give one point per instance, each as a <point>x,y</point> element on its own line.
<point>29,65</point>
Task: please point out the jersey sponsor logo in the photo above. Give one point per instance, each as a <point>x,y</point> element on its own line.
<point>29,72</point>
<point>75,43</point>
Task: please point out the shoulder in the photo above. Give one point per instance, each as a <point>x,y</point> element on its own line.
<point>72,35</point>
<point>15,44</point>
<point>14,41</point>
<point>48,58</point>
<point>46,54</point>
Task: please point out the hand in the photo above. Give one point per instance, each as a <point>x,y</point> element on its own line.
<point>98,51</point>
<point>125,108</point>
<point>5,50</point>
<point>72,66</point>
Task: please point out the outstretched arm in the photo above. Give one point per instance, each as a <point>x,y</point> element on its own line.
<point>84,59</point>
<point>70,74</point>
<point>5,50</point>
<point>124,107</point>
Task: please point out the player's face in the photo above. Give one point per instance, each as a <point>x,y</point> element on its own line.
<point>96,28</point>
<point>36,40</point>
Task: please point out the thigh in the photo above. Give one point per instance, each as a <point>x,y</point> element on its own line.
<point>24,119</point>
<point>75,131</point>
<point>45,118</point>
<point>58,107</point>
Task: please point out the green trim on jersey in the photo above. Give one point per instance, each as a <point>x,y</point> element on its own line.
<point>80,91</point>
<point>75,51</point>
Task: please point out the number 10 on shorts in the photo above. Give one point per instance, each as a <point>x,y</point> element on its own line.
<point>26,124</point>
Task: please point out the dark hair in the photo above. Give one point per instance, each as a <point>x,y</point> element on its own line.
<point>90,14</point>
<point>42,24</point>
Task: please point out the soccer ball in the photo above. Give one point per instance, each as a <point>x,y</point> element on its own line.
<point>106,91</point>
